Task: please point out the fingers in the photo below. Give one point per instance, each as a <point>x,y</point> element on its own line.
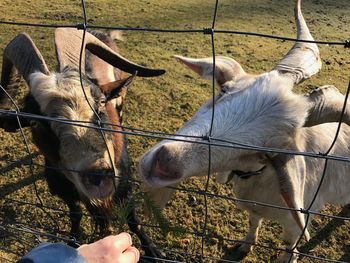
<point>122,242</point>
<point>111,249</point>
<point>130,255</point>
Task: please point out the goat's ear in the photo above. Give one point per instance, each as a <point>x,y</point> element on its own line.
<point>43,89</point>
<point>291,184</point>
<point>116,88</point>
<point>226,69</point>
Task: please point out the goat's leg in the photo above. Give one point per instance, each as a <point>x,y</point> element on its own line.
<point>147,244</point>
<point>75,215</point>
<point>102,219</point>
<point>241,250</point>
<point>64,189</point>
<point>290,236</point>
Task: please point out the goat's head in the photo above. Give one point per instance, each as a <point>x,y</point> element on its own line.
<point>88,157</point>
<point>259,110</point>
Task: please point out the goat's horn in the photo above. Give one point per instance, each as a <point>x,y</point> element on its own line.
<point>21,57</point>
<point>68,45</point>
<point>303,60</point>
<point>326,105</point>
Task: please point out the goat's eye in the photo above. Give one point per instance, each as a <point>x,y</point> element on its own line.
<point>102,103</point>
<point>227,87</point>
<point>100,100</point>
<point>224,89</point>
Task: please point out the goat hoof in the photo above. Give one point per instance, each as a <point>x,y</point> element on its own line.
<point>76,238</point>
<point>153,254</point>
<point>287,258</point>
<point>237,253</point>
<point>240,251</point>
<point>73,244</point>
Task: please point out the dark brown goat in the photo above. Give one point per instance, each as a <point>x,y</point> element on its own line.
<point>83,164</point>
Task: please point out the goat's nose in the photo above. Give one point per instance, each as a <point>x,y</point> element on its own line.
<point>95,177</point>
<point>163,156</point>
<point>166,162</point>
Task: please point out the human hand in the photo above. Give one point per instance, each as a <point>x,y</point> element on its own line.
<point>111,249</point>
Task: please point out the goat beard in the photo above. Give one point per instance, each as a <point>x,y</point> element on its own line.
<point>101,211</point>
<point>105,204</point>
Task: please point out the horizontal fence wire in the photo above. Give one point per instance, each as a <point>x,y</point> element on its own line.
<point>345,43</point>
<point>175,137</point>
<point>11,229</point>
<point>215,196</point>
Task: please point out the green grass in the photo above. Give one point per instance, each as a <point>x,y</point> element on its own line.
<point>165,103</point>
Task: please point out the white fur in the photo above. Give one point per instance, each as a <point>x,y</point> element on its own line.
<point>260,111</point>
<point>265,188</point>
<point>239,117</point>
<point>261,116</point>
<point>264,112</point>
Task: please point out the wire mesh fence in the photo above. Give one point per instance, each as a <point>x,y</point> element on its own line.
<point>26,236</point>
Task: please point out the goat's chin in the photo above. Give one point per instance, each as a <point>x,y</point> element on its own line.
<point>158,180</point>
<point>97,192</point>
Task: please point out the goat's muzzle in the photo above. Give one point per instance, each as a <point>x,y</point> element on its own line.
<point>161,166</point>
<point>99,183</point>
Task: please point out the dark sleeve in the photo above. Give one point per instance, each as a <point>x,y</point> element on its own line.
<point>52,253</point>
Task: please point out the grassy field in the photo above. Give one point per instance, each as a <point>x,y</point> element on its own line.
<point>164,104</point>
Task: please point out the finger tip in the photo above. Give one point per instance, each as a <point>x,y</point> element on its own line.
<point>128,236</point>
<point>137,254</point>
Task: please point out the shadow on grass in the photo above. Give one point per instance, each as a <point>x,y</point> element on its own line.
<point>326,232</point>
<point>12,187</point>
<point>233,254</point>
<point>18,163</point>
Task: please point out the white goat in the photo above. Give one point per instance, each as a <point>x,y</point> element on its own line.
<point>262,110</point>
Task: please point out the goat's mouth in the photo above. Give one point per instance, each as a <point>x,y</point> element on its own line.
<point>98,184</point>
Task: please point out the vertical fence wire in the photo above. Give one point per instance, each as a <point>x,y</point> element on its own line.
<point>99,122</point>
<point>211,31</point>
<point>336,135</point>
<point>209,139</point>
